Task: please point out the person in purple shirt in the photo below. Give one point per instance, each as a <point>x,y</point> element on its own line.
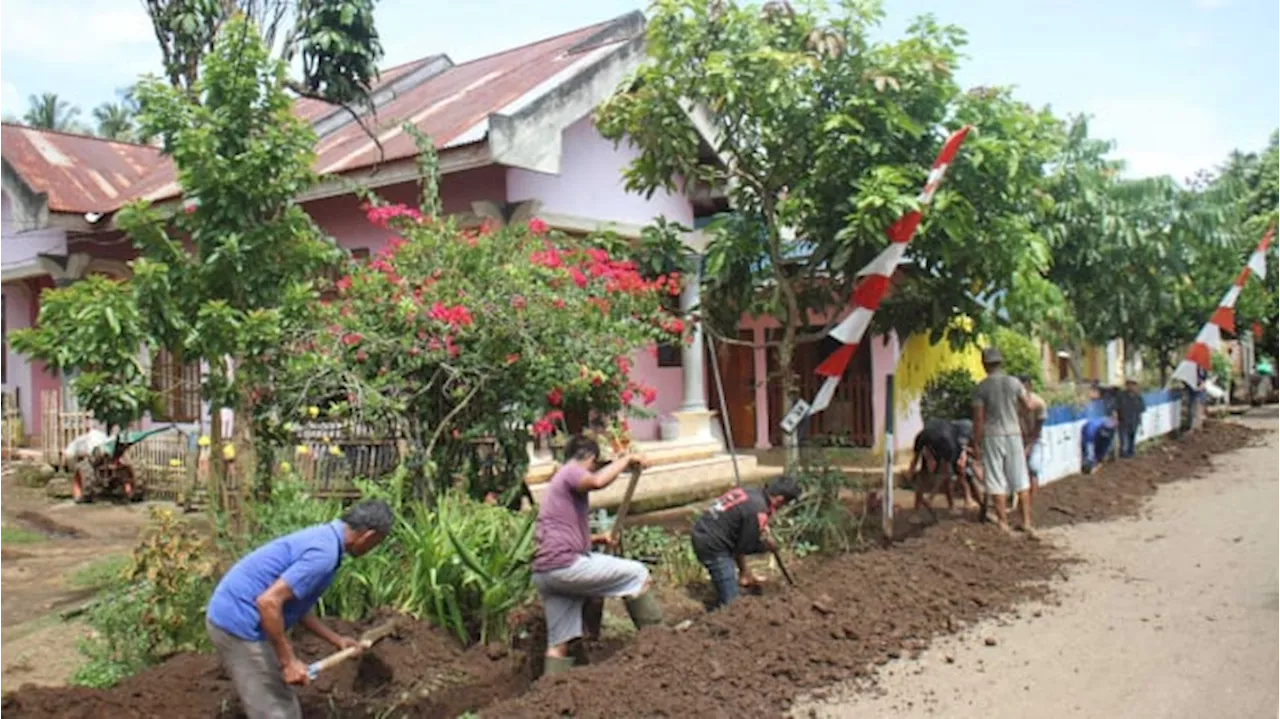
<point>273,588</point>
<point>566,572</point>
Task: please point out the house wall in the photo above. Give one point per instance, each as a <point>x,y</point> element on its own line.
<point>343,218</point>
<point>668,381</point>
<point>21,248</point>
<point>591,184</point>
<point>19,306</point>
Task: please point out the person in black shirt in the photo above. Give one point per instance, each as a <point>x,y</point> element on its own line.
<point>942,448</point>
<point>736,525</point>
<point>1129,408</point>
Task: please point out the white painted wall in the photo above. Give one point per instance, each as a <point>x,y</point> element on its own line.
<point>1062,455</point>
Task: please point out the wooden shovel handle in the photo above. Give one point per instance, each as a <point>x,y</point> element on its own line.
<point>370,638</point>
<point>625,508</point>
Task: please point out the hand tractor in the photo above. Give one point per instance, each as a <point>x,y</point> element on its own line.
<point>101,469</point>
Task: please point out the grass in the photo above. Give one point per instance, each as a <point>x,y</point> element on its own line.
<point>98,573</point>
<point>17,535</point>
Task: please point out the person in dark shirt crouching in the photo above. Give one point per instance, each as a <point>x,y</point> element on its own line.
<point>736,525</point>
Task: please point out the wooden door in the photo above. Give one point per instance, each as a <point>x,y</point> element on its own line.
<point>737,370</point>
<point>849,419</point>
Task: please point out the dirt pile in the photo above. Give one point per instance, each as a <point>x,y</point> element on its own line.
<point>848,614</point>
<point>420,666</point>
<point>1120,488</point>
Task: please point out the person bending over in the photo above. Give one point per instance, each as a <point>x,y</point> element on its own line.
<point>736,525</point>
<point>273,588</point>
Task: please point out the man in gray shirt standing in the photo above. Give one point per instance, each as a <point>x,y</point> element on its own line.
<point>997,437</point>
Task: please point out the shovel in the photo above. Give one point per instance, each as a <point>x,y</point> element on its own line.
<point>593,608</point>
<point>370,638</point>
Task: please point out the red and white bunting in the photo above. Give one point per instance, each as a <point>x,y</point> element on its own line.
<point>873,280</point>
<point>1200,354</point>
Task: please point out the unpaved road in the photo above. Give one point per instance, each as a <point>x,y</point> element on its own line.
<point>1172,615</point>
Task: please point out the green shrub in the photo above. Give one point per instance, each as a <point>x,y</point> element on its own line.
<point>1021,355</point>
<point>673,553</point>
<point>155,608</point>
<point>821,521</point>
<point>1220,366</point>
<point>949,395</point>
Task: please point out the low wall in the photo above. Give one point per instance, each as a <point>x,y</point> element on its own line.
<point>1062,429</point>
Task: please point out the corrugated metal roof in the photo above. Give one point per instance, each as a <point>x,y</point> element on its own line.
<point>80,173</point>
<point>451,106</point>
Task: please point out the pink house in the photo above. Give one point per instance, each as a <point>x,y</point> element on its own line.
<point>515,138</point>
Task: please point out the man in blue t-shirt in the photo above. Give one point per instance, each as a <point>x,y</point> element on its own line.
<point>1095,441</point>
<point>273,588</point>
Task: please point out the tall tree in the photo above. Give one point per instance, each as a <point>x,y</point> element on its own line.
<point>335,40</point>
<point>115,121</point>
<point>823,137</point>
<point>51,112</point>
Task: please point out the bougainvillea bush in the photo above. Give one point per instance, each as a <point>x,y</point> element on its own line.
<point>450,334</point>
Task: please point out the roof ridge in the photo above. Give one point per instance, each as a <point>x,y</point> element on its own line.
<point>82,135</point>
<point>599,25</point>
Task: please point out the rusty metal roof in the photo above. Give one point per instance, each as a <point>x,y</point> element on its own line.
<point>451,105</point>
<point>80,173</point>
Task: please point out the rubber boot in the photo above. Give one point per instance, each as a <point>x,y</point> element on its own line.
<point>592,618</point>
<point>556,665</point>
<point>644,610</point>
<point>578,651</point>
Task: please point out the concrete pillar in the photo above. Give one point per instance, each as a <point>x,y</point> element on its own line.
<point>694,352</point>
<point>760,364</point>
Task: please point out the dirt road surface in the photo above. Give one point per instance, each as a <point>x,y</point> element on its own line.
<point>1172,615</point>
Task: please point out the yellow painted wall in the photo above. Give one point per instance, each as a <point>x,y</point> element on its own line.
<point>921,361</point>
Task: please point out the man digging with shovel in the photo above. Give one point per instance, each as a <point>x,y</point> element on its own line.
<point>273,588</point>
<point>736,525</point>
<point>566,572</point>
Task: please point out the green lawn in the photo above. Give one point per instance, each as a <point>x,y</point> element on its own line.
<point>17,535</point>
<point>99,573</point>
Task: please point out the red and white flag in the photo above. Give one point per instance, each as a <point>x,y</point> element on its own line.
<point>1200,354</point>
<point>873,280</point>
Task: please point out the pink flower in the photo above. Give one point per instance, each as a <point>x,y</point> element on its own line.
<point>543,427</point>
<point>555,397</point>
<point>626,396</point>
<point>361,356</point>
<point>579,279</point>
<point>558,303</point>
<point>190,209</point>
<point>649,394</point>
<point>455,316</point>
<point>537,226</point>
<point>549,257</point>
<point>624,364</point>
<point>343,284</point>
<point>519,302</point>
<point>513,358</point>
<point>351,339</point>
<point>554,415</point>
<point>382,216</point>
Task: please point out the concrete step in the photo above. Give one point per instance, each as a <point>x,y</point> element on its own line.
<point>672,484</point>
<point>660,454</point>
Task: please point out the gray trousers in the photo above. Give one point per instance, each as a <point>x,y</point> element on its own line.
<point>563,591</point>
<point>255,670</point>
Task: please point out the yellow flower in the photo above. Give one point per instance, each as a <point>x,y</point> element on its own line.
<point>175,462</point>
<point>286,467</point>
<point>326,439</point>
<point>335,450</point>
<point>229,452</point>
<point>203,441</point>
<point>302,450</point>
<point>313,411</point>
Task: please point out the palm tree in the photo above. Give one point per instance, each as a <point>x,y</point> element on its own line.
<point>115,121</point>
<point>51,112</point>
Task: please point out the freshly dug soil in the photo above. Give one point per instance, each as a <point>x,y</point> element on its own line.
<point>848,614</point>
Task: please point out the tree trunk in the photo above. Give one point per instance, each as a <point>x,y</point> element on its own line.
<point>790,390</point>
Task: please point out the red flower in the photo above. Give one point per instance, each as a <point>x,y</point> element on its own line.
<point>555,397</point>
<point>513,358</point>
<point>549,257</point>
<point>543,427</point>
<point>558,303</point>
<point>579,279</point>
<point>675,326</point>
<point>361,356</point>
<point>626,396</point>
<point>650,395</point>
<point>652,350</point>
<point>519,302</point>
<point>537,226</point>
<point>487,226</point>
<point>189,209</point>
<point>624,364</point>
<point>455,316</point>
<point>351,339</point>
<point>414,351</point>
<point>553,415</point>
<point>382,216</point>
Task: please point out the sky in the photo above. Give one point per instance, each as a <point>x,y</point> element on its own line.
<point>1177,84</point>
